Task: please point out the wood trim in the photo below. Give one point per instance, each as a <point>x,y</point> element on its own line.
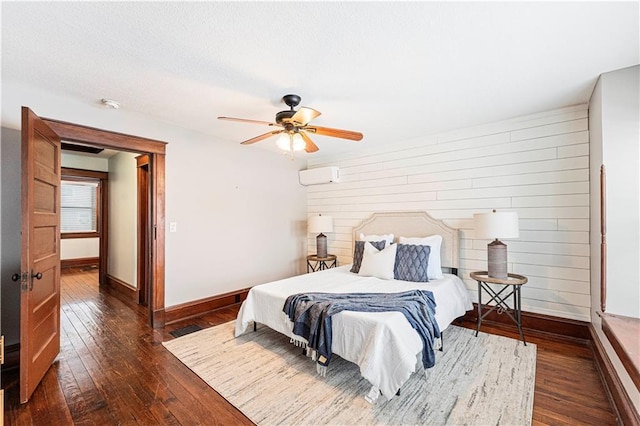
<point>622,404</point>
<point>547,325</point>
<point>142,237</point>
<point>142,160</point>
<point>79,262</point>
<point>202,306</point>
<point>103,228</point>
<point>68,173</point>
<point>158,318</point>
<point>73,235</point>
<point>156,296</point>
<point>622,333</point>
<point>103,215</point>
<point>603,238</point>
<point>123,142</point>
<point>120,287</point>
<point>120,141</point>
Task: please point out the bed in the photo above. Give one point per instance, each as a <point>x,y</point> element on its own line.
<point>383,344</point>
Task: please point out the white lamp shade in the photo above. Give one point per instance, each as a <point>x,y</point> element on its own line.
<point>496,225</point>
<point>320,224</point>
<point>290,142</point>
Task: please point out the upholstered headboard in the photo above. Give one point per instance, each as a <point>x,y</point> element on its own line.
<point>414,224</point>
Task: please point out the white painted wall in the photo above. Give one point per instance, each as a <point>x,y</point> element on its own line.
<point>240,215</point>
<point>78,161</point>
<point>616,111</point>
<point>536,165</point>
<point>10,233</point>
<point>79,248</point>
<point>240,211</point>
<point>122,218</point>
<point>614,120</point>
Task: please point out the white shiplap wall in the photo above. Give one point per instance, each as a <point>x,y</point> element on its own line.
<point>537,165</point>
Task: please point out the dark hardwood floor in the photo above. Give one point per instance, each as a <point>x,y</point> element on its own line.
<point>112,370</point>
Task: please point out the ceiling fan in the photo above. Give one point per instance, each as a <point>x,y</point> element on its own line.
<point>294,126</point>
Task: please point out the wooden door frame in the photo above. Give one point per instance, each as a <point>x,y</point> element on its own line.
<point>102,212</point>
<point>156,150</point>
<point>142,172</point>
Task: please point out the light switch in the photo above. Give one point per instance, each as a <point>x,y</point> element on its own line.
<point>173,226</point>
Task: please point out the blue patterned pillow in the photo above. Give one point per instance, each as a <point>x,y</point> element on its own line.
<point>359,250</point>
<point>411,263</point>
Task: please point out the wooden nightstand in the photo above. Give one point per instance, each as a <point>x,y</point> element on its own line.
<point>513,282</point>
<point>321,263</point>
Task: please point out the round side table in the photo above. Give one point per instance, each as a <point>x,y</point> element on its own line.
<point>321,263</point>
<point>514,283</point>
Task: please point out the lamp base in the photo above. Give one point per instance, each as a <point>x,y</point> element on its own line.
<point>497,259</point>
<point>321,245</point>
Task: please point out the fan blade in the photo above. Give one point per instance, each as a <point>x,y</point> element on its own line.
<point>309,145</point>
<point>261,137</point>
<point>244,120</point>
<point>304,115</point>
<point>335,133</point>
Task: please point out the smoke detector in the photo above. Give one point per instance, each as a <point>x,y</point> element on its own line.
<point>109,103</point>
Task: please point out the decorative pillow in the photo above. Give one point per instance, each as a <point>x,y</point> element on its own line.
<point>358,251</point>
<point>411,263</point>
<point>434,270</point>
<point>387,237</point>
<point>378,263</point>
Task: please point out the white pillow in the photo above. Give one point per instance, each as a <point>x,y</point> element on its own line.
<point>434,267</point>
<point>378,263</point>
<point>386,237</point>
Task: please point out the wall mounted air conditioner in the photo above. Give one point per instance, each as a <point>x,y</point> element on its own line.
<point>319,175</point>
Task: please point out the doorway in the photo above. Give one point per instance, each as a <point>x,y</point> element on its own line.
<point>154,151</point>
<point>83,216</point>
<point>95,181</point>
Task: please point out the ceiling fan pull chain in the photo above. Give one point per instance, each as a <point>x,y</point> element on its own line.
<point>291,144</point>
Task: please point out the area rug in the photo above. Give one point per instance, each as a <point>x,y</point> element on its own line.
<point>484,380</point>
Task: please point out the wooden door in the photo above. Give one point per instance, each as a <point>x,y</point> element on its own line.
<point>40,264</point>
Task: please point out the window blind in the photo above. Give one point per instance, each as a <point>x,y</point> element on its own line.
<point>78,206</point>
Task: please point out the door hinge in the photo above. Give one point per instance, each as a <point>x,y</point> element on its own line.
<point>155,232</point>
<point>24,281</point>
<point>1,350</point>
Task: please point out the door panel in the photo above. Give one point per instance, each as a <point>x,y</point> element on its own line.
<point>40,285</point>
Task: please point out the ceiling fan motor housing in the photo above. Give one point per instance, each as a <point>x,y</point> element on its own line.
<point>283,116</point>
<point>291,101</point>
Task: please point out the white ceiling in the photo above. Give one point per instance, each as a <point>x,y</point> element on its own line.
<point>391,70</point>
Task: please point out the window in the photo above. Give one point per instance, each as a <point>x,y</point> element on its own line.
<point>78,206</point>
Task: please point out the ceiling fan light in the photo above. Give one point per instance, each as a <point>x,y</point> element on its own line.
<point>298,143</point>
<point>284,141</point>
<point>290,142</point>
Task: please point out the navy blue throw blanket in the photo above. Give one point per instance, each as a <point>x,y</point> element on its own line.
<point>311,315</point>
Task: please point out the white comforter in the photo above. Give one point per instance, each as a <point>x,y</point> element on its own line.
<point>382,344</point>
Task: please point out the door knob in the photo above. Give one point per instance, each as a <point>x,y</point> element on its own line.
<point>15,277</point>
<point>36,276</point>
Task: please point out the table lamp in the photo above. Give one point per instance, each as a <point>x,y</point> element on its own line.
<point>321,224</point>
<point>496,225</point>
